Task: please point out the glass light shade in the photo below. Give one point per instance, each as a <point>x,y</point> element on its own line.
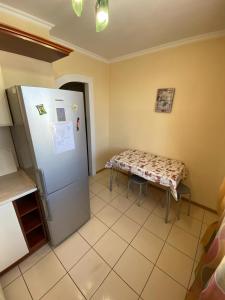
<point>102,14</point>
<point>77,7</point>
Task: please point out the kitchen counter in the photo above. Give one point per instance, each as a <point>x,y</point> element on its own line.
<point>14,186</point>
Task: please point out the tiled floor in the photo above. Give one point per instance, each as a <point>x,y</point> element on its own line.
<point>124,252</point>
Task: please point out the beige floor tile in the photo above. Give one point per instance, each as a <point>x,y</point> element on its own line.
<point>113,288</point>
<point>89,273</point>
<point>161,211</point>
<point>183,241</point>
<point>91,195</point>
<point>96,187</point>
<point>138,214</point>
<point>193,274</point>
<point>158,226</point>
<point>137,275</point>
<point>203,229</point>
<point>111,247</point>
<point>10,276</point>
<point>148,244</point>
<point>97,204</point>
<point>126,228</point>
<point>65,289</point>
<point>106,195</point>
<point>195,212</point>
<point>91,180</point>
<point>71,250</point>
<point>17,290</point>
<point>149,202</point>
<point>161,287</point>
<point>100,175</point>
<point>176,264</point>
<point>122,203</point>
<point>43,275</point>
<point>210,217</point>
<point>189,225</point>
<point>109,215</point>
<point>34,258</point>
<point>120,188</point>
<point>93,230</point>
<point>104,181</point>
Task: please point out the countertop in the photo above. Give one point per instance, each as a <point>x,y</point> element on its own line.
<point>14,186</point>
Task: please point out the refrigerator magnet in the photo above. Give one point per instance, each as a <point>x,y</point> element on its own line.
<point>74,107</point>
<point>41,109</point>
<point>78,124</point>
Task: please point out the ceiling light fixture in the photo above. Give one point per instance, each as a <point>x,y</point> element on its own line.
<point>101,12</point>
<point>77,7</point>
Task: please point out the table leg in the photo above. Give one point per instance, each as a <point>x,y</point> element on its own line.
<point>167,205</point>
<point>111,180</point>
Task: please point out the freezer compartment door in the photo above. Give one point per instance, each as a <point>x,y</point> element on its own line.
<point>68,210</point>
<point>56,125</point>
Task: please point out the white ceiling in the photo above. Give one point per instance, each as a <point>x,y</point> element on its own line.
<point>134,25</point>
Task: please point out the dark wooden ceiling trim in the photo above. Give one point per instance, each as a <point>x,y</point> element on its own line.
<point>20,42</point>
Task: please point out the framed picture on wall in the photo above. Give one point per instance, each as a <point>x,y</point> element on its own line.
<point>164,100</point>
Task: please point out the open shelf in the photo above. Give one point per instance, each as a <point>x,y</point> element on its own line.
<point>35,237</point>
<point>26,205</point>
<point>31,221</point>
<point>30,216</point>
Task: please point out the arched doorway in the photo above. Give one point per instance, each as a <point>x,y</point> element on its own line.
<point>84,85</point>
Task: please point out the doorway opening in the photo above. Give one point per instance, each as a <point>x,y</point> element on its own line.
<point>84,85</point>
<point>79,87</point>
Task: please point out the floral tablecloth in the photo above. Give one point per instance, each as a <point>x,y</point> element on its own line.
<point>164,171</point>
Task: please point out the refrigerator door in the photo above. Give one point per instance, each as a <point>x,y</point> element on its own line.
<point>56,124</point>
<point>65,214</point>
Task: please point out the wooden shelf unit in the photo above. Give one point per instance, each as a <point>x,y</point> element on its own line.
<point>30,216</point>
<point>20,42</point>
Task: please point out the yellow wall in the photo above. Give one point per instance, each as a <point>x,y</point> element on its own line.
<point>21,70</point>
<point>81,64</point>
<point>194,131</point>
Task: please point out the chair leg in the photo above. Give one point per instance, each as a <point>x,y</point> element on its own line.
<point>179,208</point>
<point>167,206</point>
<point>128,187</point>
<point>116,179</point>
<point>146,189</point>
<point>189,204</point>
<point>140,193</point>
<point>111,180</point>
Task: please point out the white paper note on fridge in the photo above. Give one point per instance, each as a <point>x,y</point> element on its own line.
<point>63,137</point>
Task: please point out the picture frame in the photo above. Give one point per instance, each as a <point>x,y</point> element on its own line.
<point>164,100</point>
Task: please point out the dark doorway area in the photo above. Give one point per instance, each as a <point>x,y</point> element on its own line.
<point>79,87</point>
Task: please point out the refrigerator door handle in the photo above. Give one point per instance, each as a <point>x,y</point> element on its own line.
<point>43,193</point>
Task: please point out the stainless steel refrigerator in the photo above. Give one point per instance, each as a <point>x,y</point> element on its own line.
<point>50,140</point>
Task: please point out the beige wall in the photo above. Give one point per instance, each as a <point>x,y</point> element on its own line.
<point>21,70</point>
<point>194,131</point>
<point>78,63</point>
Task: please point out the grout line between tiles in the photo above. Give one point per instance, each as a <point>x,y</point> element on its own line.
<point>151,212</point>
<point>26,283</point>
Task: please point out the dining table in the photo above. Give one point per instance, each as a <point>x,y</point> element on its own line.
<point>163,171</point>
